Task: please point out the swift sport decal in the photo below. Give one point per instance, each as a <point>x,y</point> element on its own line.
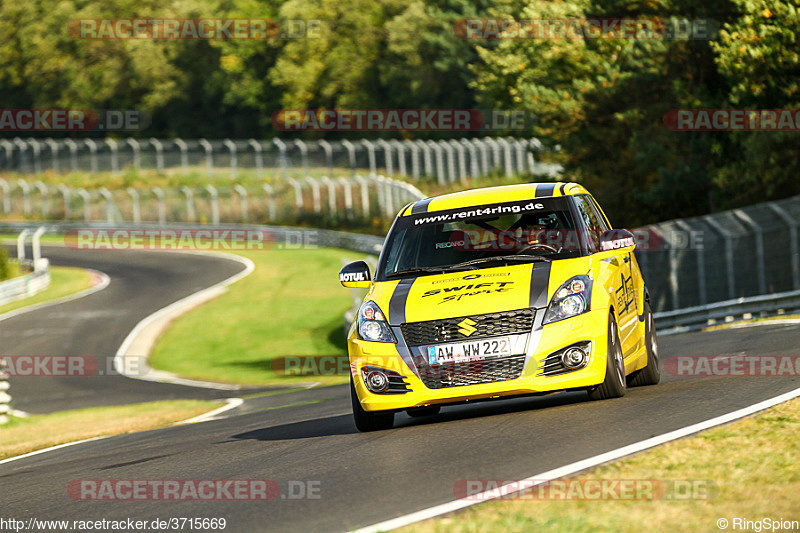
<point>458,292</point>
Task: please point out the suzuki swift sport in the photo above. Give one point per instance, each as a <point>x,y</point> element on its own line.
<point>498,292</point>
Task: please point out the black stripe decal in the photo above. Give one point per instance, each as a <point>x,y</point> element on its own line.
<point>545,189</point>
<point>397,303</point>
<point>561,190</point>
<point>421,206</point>
<point>540,279</point>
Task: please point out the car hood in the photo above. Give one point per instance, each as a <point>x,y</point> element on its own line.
<point>470,292</point>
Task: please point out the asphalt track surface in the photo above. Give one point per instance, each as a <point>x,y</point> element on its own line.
<point>95,326</point>
<point>368,478</point>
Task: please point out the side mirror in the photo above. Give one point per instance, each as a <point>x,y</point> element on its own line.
<point>355,275</point>
<point>614,239</point>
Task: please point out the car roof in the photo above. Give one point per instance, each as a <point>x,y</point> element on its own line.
<point>491,195</point>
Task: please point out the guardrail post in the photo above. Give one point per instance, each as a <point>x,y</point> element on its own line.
<point>364,187</point>
<point>65,193</point>
<point>36,246</point>
<point>92,154</point>
<point>209,156</point>
<point>162,209</point>
<point>761,267</point>
<point>729,264</point>
<point>8,146</point>
<point>474,163</point>
<point>212,192</point>
<point>331,187</point>
<point>483,149</point>
<point>315,194</point>
<point>427,157</point>
<point>37,152</point>
<point>26,196</point>
<point>401,156</point>
<point>328,149</point>
<point>303,155</point>
<point>370,156</point>
<point>440,173</point>
<point>242,192</point>
<point>43,193</point>
<point>351,153</point>
<point>86,199</point>
<point>507,164</point>
<point>23,150</point>
<point>189,194</point>
<point>451,160</point>
<point>387,155</point>
<point>21,244</point>
<point>496,163</point>
<point>137,214</point>
<point>5,397</point>
<point>298,193</point>
<point>259,156</point>
<point>231,146</point>
<point>462,160</point>
<point>184,148</point>
<point>347,188</point>
<point>137,152</point>
<point>282,161</point>
<point>53,146</point>
<point>114,147</point>
<point>793,251</point>
<point>411,145</point>
<point>6,195</point>
<point>159,153</point>
<point>270,200</point>
<point>105,193</point>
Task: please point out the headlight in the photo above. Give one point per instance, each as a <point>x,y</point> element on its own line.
<point>372,326</point>
<point>571,299</point>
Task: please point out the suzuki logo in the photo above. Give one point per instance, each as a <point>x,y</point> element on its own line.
<point>467,327</point>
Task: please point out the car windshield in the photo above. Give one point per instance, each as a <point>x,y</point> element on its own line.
<point>479,237</point>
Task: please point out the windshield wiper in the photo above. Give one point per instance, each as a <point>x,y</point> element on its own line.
<point>524,258</point>
<point>418,270</point>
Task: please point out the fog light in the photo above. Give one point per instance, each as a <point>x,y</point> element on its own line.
<point>573,358</point>
<point>377,381</point>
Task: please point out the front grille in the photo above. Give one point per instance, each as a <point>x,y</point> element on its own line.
<point>440,376</point>
<point>488,325</point>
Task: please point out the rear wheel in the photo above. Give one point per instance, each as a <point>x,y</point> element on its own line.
<point>419,412</point>
<point>651,374</point>
<point>613,385</point>
<point>369,420</point>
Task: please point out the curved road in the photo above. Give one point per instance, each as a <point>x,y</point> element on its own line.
<point>95,325</point>
<point>368,478</point>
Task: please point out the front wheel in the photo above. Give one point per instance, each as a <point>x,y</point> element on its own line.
<point>369,420</point>
<point>651,374</point>
<point>613,385</point>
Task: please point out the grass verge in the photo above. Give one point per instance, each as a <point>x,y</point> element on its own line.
<point>63,282</point>
<point>23,435</point>
<point>291,305</point>
<point>761,483</point>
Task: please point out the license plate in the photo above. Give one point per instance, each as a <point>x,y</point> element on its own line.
<point>469,351</point>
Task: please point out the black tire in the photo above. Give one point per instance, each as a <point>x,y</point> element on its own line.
<point>651,374</point>
<point>419,412</point>
<point>613,385</point>
<point>369,420</point>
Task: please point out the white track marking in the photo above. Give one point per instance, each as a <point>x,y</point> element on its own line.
<point>230,403</point>
<point>50,449</point>
<point>104,282</point>
<point>576,467</point>
<point>161,318</point>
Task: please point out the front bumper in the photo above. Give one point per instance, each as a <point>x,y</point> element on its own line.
<point>591,326</point>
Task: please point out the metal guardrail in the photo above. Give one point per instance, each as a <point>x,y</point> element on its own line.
<point>29,284</point>
<point>5,398</point>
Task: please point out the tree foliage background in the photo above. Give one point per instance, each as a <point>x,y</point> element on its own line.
<point>602,102</point>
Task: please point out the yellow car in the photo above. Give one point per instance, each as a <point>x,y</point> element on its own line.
<point>498,292</point>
